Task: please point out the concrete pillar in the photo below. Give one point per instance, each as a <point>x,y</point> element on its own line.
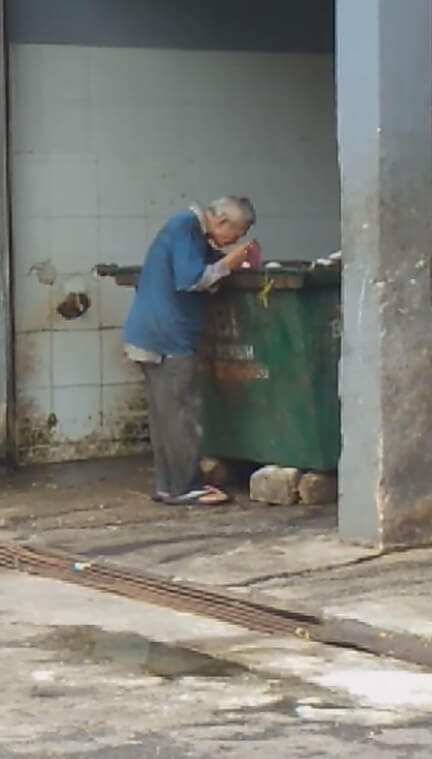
<point>384,72</point>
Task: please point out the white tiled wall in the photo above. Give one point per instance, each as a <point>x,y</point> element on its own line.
<point>107,143</point>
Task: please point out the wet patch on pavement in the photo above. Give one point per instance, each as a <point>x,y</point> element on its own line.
<point>134,653</point>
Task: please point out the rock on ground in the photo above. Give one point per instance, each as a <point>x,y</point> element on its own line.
<point>275,485</point>
<point>318,489</point>
<point>217,472</point>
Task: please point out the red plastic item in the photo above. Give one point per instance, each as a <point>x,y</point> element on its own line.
<point>254,254</point>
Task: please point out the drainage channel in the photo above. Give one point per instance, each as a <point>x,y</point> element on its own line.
<point>192,599</point>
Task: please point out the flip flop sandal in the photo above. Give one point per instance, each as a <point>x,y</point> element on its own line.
<point>159,497</point>
<point>196,498</point>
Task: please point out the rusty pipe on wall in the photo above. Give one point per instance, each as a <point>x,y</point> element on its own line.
<point>8,443</point>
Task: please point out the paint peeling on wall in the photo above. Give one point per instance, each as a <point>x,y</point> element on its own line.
<point>45,272</point>
<point>123,431</point>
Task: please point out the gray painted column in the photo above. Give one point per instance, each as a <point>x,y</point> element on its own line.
<point>384,72</point>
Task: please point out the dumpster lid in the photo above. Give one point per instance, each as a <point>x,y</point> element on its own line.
<point>287,275</point>
<point>283,275</point>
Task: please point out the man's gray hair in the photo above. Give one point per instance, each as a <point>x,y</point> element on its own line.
<point>235,209</point>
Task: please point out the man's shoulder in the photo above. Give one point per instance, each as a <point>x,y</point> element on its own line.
<point>178,230</point>
<point>182,220</point>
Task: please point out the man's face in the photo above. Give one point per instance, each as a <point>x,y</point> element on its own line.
<point>223,231</point>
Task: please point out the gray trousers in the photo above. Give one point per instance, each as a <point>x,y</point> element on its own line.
<point>175,431</point>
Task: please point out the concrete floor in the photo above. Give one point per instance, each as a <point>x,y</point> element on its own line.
<point>296,698</point>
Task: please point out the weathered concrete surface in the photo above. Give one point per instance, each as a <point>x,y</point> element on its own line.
<point>312,699</point>
<point>395,579</point>
<point>385,123</point>
<point>406,614</point>
<point>103,509</point>
<point>299,700</point>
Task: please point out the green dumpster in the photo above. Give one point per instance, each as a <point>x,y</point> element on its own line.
<point>269,367</point>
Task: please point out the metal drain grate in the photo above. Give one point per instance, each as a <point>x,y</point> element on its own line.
<point>176,596</point>
<point>181,597</point>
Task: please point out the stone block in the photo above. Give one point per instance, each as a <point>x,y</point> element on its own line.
<point>318,489</point>
<point>217,472</point>
<point>275,485</point>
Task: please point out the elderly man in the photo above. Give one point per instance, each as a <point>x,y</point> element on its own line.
<point>163,330</point>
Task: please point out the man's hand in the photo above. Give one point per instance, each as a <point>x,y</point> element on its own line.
<point>236,256</point>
